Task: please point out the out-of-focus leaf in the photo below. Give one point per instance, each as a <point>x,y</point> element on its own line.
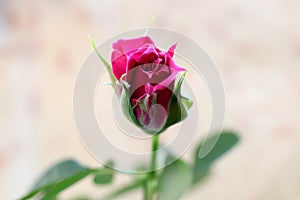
<point>35,192</point>
<point>59,171</point>
<point>125,189</point>
<point>60,175</point>
<point>105,175</point>
<point>81,198</point>
<point>65,183</point>
<point>226,141</point>
<point>174,180</point>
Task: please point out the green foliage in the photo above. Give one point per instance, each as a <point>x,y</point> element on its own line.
<point>104,176</point>
<point>225,142</point>
<point>175,180</point>
<point>63,175</point>
<point>169,183</point>
<point>125,189</point>
<point>172,181</point>
<point>58,172</point>
<point>64,184</point>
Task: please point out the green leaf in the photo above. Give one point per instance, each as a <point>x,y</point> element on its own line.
<point>35,192</point>
<point>59,171</point>
<point>125,189</point>
<point>63,174</point>
<point>81,198</point>
<point>65,183</point>
<point>225,142</point>
<point>105,175</point>
<point>174,180</point>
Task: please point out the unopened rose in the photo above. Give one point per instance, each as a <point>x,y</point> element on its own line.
<point>149,76</point>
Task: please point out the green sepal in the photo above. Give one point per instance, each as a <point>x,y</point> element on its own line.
<point>126,105</point>
<point>104,61</point>
<point>179,105</point>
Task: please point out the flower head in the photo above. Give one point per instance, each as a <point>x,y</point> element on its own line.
<point>148,76</point>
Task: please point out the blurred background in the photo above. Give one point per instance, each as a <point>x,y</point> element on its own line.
<point>254,44</point>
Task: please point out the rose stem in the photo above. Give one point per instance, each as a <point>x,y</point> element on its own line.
<point>151,185</point>
<point>155,145</point>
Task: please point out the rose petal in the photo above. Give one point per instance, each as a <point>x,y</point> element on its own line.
<point>128,45</point>
<point>172,49</point>
<point>121,49</point>
<point>118,62</point>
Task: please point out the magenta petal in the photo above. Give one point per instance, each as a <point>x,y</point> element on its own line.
<point>174,66</point>
<point>172,49</point>
<point>145,54</point>
<point>128,45</point>
<point>121,50</point>
<point>117,60</point>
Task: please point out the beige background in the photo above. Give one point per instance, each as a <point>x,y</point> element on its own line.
<point>255,45</point>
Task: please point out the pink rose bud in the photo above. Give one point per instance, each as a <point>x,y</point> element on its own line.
<point>148,77</point>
